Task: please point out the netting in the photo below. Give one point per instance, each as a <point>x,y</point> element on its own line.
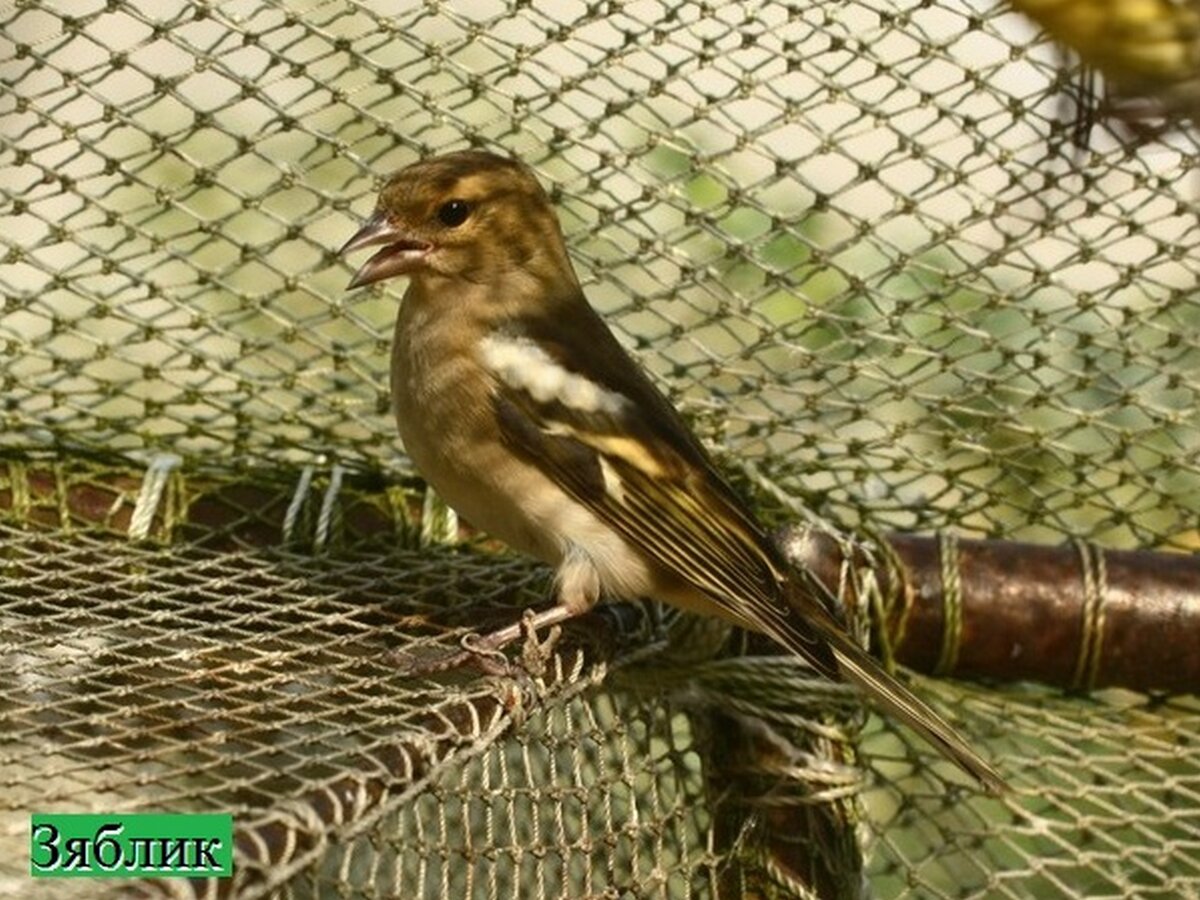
<point>862,245</point>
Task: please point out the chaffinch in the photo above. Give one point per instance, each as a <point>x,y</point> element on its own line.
<point>519,406</point>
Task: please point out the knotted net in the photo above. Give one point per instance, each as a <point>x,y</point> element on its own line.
<point>899,273</point>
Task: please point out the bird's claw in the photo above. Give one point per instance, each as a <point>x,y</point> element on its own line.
<point>484,652</point>
<point>535,654</point>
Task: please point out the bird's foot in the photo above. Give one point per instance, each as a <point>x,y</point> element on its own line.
<point>485,652</point>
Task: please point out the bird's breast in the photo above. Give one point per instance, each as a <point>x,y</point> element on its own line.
<point>441,396</point>
<point>443,401</point>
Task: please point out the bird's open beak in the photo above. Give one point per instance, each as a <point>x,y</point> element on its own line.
<point>401,253</point>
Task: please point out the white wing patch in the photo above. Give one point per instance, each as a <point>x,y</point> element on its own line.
<point>612,481</point>
<point>524,366</point>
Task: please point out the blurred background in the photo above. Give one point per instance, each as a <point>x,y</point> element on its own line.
<point>905,266</point>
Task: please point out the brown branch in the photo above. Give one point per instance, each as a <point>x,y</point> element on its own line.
<point>1074,615</point>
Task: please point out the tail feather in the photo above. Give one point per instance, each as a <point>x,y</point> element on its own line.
<point>812,632</point>
<point>896,699</point>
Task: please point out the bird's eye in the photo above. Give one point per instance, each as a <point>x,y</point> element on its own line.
<point>454,213</point>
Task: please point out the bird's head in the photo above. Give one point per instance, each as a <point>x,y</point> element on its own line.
<point>470,215</point>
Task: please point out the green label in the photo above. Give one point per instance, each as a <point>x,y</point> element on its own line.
<point>126,845</point>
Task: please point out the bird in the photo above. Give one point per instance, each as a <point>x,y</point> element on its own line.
<point>1148,51</point>
<point>519,406</point>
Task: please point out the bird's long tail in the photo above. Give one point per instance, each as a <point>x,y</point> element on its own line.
<point>896,699</point>
<point>856,666</point>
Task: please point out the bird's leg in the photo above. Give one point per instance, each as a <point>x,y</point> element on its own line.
<point>531,622</point>
<point>485,652</point>
<point>576,591</point>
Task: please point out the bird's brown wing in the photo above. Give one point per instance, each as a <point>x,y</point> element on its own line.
<point>639,469</point>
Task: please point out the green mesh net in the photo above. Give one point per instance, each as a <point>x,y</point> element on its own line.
<point>863,245</point>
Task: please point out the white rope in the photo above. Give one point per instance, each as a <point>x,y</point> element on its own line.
<point>299,497</point>
<point>325,518</point>
<point>154,482</point>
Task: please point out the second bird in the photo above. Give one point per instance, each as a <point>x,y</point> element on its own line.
<point>519,406</point>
